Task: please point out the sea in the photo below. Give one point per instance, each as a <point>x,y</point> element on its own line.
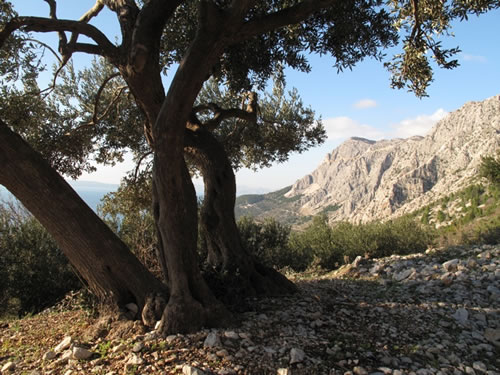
<point>91,192</point>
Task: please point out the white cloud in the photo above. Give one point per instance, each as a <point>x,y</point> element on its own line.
<point>473,58</point>
<point>365,103</point>
<point>419,125</point>
<point>344,127</point>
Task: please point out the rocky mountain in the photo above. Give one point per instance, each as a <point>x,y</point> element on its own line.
<point>363,180</point>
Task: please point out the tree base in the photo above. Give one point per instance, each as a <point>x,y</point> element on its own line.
<point>185,315</point>
<point>233,288</point>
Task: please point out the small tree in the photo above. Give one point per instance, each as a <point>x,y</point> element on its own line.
<point>490,168</point>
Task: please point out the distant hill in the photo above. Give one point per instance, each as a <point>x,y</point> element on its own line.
<point>362,180</point>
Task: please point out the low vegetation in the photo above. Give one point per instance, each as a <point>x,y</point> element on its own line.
<point>34,274</point>
<point>328,247</point>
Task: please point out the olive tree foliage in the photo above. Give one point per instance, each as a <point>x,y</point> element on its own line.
<point>241,45</point>
<point>422,24</point>
<point>282,124</point>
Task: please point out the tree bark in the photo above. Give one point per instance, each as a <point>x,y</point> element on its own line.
<point>102,259</point>
<point>225,252</point>
<point>192,304</point>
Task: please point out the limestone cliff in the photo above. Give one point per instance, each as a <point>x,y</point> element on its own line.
<point>362,180</point>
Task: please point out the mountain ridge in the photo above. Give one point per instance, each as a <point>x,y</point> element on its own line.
<point>363,180</point>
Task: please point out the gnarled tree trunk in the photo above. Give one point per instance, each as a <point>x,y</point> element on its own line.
<point>226,253</point>
<point>102,259</point>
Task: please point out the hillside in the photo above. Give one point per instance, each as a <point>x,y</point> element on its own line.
<point>362,180</point>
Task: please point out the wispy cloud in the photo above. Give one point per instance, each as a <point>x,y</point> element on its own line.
<point>365,103</point>
<point>419,125</point>
<point>344,127</point>
<point>473,58</point>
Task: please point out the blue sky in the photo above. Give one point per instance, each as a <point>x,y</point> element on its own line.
<point>352,103</point>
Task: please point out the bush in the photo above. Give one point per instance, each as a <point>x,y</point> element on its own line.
<point>34,273</point>
<point>333,246</point>
<point>268,242</point>
<point>490,168</point>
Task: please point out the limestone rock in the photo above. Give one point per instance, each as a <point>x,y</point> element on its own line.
<point>212,340</point>
<point>63,345</point>
<point>9,366</point>
<point>190,370</point>
<point>363,180</point>
<point>81,353</point>
<point>297,355</point>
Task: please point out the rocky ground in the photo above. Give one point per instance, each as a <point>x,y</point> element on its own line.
<point>433,313</point>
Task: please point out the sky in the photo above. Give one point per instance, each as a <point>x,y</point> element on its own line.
<point>357,102</point>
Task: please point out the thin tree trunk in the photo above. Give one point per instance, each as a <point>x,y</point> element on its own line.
<point>102,259</point>
<point>226,253</point>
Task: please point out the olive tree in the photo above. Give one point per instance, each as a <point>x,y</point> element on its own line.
<point>241,43</point>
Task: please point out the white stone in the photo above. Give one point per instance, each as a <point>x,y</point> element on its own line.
<point>190,370</point>
<point>296,355</point>
<point>284,371</point>
<point>212,340</point>
<point>357,261</point>
<point>138,346</point>
<point>9,366</point>
<point>170,338</point>
<point>231,335</point>
<point>119,348</point>
<point>135,360</point>
<point>63,345</point>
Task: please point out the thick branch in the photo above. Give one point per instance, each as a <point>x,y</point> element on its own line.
<point>284,17</point>
<point>45,25</point>
<point>92,12</point>
<point>63,41</point>
<point>148,30</point>
<point>221,114</point>
<point>152,19</point>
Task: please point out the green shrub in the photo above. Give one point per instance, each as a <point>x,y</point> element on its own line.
<point>332,246</point>
<point>490,168</point>
<point>34,273</point>
<point>269,243</point>
<point>314,244</point>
